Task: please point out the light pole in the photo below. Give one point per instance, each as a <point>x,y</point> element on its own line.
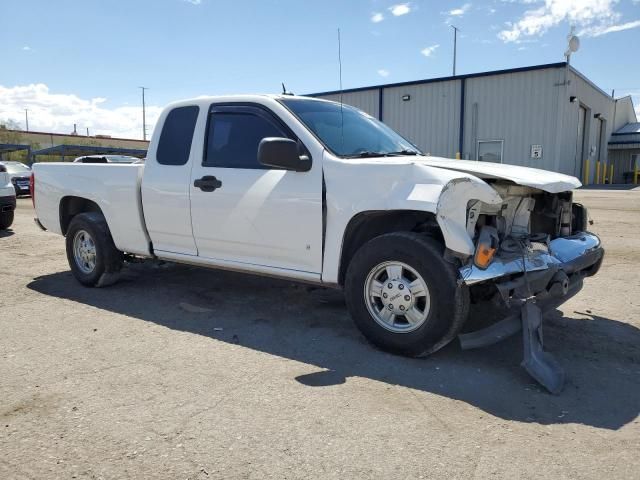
<point>455,46</point>
<point>26,119</point>
<point>144,115</point>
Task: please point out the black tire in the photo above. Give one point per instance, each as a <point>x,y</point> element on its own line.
<point>449,303</point>
<point>6,220</point>
<point>108,259</point>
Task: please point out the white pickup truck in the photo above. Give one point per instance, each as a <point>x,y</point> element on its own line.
<point>320,192</point>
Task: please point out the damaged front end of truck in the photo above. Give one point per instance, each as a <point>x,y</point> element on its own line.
<point>532,251</point>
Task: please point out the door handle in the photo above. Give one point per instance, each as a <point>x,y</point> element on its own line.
<point>207,183</point>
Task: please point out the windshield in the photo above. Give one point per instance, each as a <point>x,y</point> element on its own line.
<point>347,131</point>
<point>17,168</point>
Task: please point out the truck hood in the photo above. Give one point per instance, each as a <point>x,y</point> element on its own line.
<point>529,177</point>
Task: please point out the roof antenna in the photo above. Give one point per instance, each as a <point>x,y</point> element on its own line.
<point>284,90</point>
<point>340,78</point>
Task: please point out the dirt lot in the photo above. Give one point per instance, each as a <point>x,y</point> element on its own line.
<point>178,372</point>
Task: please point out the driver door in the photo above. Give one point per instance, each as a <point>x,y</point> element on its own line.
<point>247,213</point>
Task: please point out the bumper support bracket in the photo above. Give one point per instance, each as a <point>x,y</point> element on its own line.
<point>541,365</point>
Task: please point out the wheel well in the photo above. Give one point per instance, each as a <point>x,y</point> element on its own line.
<point>72,206</point>
<point>368,225</point>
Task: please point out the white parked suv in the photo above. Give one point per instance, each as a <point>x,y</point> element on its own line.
<point>7,199</point>
<point>319,192</point>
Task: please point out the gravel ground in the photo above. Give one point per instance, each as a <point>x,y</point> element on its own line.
<point>178,372</point>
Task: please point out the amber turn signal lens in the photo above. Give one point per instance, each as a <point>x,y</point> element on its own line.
<point>484,255</point>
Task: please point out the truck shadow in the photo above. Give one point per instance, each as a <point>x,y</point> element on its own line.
<point>309,325</point>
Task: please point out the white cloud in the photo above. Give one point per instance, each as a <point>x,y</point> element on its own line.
<point>26,48</point>
<point>460,11</point>
<point>57,112</point>
<point>400,9</point>
<point>428,51</point>
<point>377,17</point>
<point>193,2</point>
<point>587,14</point>
<point>603,30</point>
<point>383,73</point>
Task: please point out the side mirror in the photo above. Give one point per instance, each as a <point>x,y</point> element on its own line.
<point>282,153</point>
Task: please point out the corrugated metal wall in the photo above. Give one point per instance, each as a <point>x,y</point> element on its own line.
<point>522,108</point>
<point>595,147</point>
<point>367,100</point>
<point>621,161</point>
<point>518,108</point>
<point>430,118</point>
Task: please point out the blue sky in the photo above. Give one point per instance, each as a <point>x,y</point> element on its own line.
<point>72,61</point>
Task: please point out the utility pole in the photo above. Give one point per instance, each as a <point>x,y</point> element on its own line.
<point>144,115</point>
<point>26,118</point>
<point>455,46</point>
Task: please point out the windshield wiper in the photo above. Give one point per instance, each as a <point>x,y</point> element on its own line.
<point>366,154</point>
<point>404,152</point>
<point>369,154</point>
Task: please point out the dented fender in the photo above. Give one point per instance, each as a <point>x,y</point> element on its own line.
<point>451,210</point>
<point>356,186</point>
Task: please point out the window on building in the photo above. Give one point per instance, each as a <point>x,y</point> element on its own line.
<point>233,139</point>
<point>490,150</point>
<point>177,133</point>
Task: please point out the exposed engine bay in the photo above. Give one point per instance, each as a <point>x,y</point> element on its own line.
<point>527,213</point>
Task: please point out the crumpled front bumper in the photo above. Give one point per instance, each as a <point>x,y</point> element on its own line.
<point>580,252</point>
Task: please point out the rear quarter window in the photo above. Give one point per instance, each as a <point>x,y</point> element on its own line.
<point>177,133</point>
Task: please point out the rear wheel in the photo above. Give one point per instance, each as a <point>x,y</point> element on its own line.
<point>6,220</point>
<point>403,295</point>
<point>94,259</point>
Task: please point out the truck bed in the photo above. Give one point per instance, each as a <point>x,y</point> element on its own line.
<point>114,188</point>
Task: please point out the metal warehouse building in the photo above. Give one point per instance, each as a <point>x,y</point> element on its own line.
<point>545,116</point>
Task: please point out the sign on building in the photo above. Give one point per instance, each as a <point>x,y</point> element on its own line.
<point>536,151</point>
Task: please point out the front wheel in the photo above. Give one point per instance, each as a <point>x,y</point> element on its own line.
<point>94,259</point>
<point>403,295</point>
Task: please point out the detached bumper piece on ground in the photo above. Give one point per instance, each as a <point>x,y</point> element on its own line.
<point>529,283</point>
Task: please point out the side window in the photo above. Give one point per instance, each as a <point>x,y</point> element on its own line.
<point>233,139</point>
<point>177,133</point>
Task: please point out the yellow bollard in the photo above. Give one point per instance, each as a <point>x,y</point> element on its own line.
<point>598,172</point>
<point>457,155</point>
<point>611,174</point>
<point>586,172</point>
<point>635,175</point>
